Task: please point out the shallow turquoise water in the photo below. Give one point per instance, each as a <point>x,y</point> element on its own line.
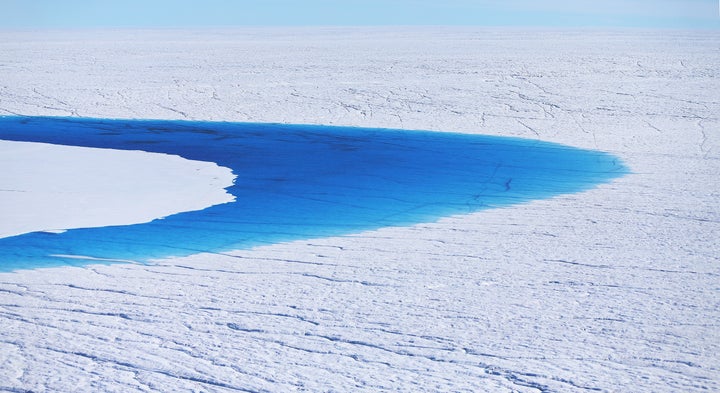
<point>304,181</point>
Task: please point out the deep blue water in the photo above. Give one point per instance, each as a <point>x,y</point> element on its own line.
<point>304,181</point>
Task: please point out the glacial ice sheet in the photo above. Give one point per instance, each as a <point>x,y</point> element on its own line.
<point>612,289</point>
<point>53,188</point>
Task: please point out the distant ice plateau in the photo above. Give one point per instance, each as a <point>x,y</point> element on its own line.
<point>613,289</point>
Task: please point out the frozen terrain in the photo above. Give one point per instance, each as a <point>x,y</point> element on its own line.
<point>55,188</point>
<point>613,289</point>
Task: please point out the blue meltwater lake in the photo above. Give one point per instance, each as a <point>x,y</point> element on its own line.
<point>303,181</point>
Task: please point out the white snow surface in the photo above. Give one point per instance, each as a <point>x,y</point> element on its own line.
<point>614,289</point>
<point>46,187</point>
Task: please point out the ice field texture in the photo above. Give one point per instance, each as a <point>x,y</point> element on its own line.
<point>611,289</point>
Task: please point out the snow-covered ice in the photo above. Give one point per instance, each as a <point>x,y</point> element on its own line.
<point>613,289</point>
<point>56,188</point>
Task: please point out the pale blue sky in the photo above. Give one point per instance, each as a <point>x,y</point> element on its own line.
<point>195,13</point>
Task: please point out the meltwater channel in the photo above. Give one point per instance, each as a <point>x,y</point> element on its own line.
<point>303,181</point>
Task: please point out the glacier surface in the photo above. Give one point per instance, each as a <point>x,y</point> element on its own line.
<point>612,289</point>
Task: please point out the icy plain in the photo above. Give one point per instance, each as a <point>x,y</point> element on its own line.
<point>613,289</point>
<point>55,188</point>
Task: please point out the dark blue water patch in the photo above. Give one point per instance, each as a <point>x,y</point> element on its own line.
<point>303,181</point>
